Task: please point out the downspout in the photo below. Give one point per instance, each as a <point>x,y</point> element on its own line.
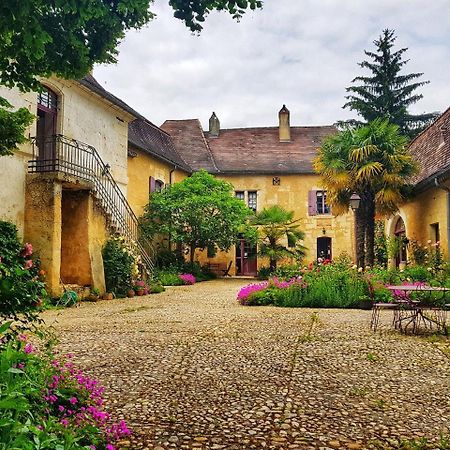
<point>170,174</point>
<point>446,189</point>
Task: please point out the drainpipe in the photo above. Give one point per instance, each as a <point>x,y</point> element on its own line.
<point>446,189</point>
<point>170,174</point>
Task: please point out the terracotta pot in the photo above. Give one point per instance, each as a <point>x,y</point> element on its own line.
<point>130,293</point>
<point>38,303</point>
<point>108,296</point>
<point>92,297</point>
<point>140,292</point>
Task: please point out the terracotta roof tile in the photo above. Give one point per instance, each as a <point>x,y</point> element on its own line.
<point>431,148</point>
<point>148,137</point>
<point>190,142</point>
<point>259,150</point>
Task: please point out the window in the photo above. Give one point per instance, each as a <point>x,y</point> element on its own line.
<point>47,99</point>
<point>155,185</point>
<point>321,203</point>
<point>435,234</point>
<point>252,200</point>
<point>240,195</point>
<point>159,185</point>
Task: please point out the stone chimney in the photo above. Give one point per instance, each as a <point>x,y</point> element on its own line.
<point>214,126</point>
<point>284,125</point>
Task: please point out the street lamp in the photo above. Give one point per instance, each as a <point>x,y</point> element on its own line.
<point>355,200</point>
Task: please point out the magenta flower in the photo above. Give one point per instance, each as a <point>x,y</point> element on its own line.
<point>64,422</point>
<point>109,447</point>
<point>187,278</point>
<point>28,264</point>
<point>73,400</point>
<point>28,349</point>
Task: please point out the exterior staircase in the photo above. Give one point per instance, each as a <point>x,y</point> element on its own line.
<point>82,161</point>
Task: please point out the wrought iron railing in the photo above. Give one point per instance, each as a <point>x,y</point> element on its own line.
<point>69,156</point>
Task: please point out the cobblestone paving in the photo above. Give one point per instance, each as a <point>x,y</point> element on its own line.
<point>189,368</point>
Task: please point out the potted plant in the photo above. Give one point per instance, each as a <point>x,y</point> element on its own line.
<point>139,287</point>
<point>94,295</point>
<point>108,296</point>
<point>130,293</point>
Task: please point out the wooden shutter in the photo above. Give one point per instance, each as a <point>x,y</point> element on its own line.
<point>151,185</point>
<point>312,203</point>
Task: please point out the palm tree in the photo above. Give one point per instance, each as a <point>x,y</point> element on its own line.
<point>276,226</point>
<point>373,161</point>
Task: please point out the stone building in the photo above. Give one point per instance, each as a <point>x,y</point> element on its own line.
<point>267,166</point>
<point>67,189</point>
<point>426,217</point>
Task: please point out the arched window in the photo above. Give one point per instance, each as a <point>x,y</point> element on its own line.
<point>47,111</point>
<point>159,185</point>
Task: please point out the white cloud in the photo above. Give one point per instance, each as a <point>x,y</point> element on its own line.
<point>299,52</point>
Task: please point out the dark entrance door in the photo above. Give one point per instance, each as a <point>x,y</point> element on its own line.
<point>324,249</point>
<point>246,260</point>
<point>46,130</point>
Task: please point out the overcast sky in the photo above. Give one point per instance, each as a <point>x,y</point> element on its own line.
<point>303,53</point>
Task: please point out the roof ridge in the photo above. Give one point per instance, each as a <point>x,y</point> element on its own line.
<point>430,125</point>
<point>207,146</point>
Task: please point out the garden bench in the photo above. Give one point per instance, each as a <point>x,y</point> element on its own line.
<point>220,269</point>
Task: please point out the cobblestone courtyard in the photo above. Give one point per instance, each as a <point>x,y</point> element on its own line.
<point>189,368</point>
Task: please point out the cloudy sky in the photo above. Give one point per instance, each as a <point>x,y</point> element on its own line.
<point>299,52</point>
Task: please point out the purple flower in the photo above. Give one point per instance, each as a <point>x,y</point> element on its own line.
<point>187,278</point>
<point>73,400</point>
<point>28,349</point>
<point>64,422</point>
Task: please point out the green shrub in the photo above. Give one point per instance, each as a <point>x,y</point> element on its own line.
<point>417,273</point>
<point>156,288</point>
<point>169,279</point>
<point>169,259</point>
<point>262,298</point>
<point>118,265</point>
<point>21,281</point>
<point>287,272</point>
<point>264,273</point>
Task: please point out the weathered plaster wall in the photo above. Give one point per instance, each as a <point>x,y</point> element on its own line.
<point>75,260</point>
<point>140,169</point>
<point>43,225</point>
<point>419,214</point>
<point>292,194</point>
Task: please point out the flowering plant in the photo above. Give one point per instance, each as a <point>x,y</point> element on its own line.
<point>187,278</point>
<point>46,400</point>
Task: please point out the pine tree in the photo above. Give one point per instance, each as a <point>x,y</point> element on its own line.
<point>388,93</point>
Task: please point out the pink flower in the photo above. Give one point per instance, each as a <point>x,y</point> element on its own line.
<point>61,408</point>
<point>109,447</point>
<point>73,400</point>
<point>28,264</point>
<point>64,422</point>
<point>28,349</point>
<point>22,338</point>
<point>27,250</point>
<point>187,278</point>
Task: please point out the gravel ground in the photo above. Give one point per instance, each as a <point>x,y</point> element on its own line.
<point>189,368</point>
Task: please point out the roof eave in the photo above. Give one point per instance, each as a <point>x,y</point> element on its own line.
<point>428,182</point>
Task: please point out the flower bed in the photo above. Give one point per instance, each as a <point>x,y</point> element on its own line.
<point>48,403</point>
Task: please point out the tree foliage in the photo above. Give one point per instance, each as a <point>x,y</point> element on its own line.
<point>200,212</point>
<point>386,92</point>
<point>372,161</point>
<point>276,228</point>
<point>12,127</point>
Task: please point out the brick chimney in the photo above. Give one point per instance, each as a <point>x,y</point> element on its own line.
<point>214,126</point>
<point>284,125</point>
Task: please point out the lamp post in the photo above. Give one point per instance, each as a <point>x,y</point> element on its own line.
<point>355,200</point>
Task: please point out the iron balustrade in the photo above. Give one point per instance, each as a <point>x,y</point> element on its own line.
<point>69,156</point>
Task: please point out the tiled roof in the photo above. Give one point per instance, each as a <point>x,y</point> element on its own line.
<point>247,150</point>
<point>259,150</point>
<point>93,85</point>
<point>431,149</point>
<point>190,142</point>
<point>148,137</point>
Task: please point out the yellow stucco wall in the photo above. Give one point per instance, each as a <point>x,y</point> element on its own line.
<point>140,169</point>
<point>427,208</point>
<point>292,194</point>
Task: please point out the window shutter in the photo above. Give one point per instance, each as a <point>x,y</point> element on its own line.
<point>312,203</point>
<point>151,185</point>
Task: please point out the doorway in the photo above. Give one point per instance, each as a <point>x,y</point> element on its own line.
<point>246,259</point>
<point>324,249</point>
<point>46,130</point>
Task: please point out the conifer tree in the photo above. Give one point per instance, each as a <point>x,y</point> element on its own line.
<point>387,93</point>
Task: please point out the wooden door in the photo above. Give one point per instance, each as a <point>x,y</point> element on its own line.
<point>246,259</point>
